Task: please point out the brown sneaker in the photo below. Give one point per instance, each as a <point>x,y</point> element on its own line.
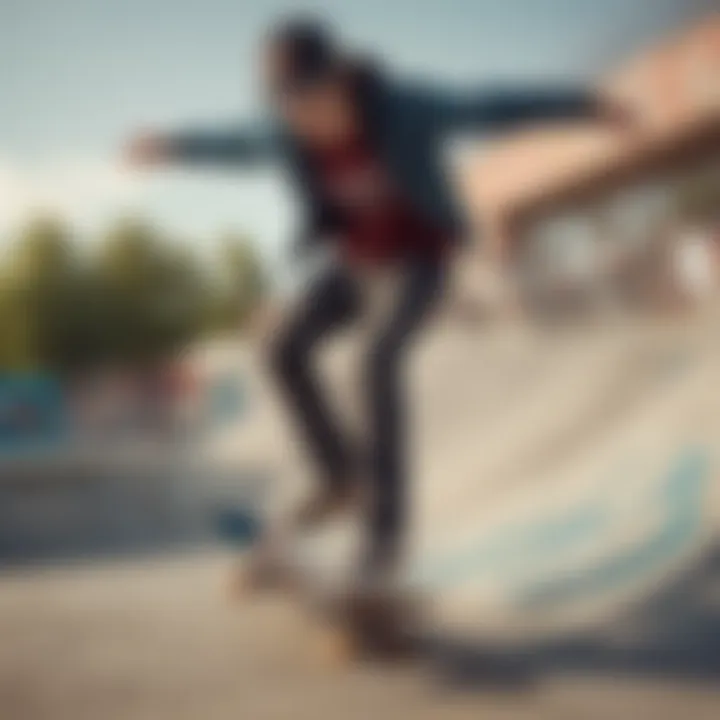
<point>326,504</point>
<point>380,568</point>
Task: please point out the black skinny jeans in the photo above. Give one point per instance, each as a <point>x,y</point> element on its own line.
<point>334,301</point>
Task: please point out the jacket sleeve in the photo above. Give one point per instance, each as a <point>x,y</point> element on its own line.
<point>233,146</point>
<point>494,109</point>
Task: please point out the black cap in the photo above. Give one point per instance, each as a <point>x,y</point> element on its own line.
<point>309,49</point>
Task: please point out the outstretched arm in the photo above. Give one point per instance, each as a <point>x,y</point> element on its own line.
<point>494,109</point>
<point>234,146</point>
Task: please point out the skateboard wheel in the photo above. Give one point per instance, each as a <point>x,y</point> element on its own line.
<point>336,648</point>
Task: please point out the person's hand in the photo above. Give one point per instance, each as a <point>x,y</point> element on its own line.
<point>620,115</point>
<point>148,150</point>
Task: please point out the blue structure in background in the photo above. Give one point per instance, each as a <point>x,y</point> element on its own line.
<point>33,411</point>
<point>226,400</point>
<point>238,527</point>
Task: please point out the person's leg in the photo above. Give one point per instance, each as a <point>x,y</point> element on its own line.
<point>331,302</point>
<point>417,297</point>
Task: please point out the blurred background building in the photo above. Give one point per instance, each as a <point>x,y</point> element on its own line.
<point>589,201</point>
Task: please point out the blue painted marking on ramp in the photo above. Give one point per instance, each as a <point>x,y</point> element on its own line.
<point>518,548</point>
<point>682,495</point>
<point>513,547</point>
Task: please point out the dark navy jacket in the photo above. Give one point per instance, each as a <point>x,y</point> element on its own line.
<point>407,124</point>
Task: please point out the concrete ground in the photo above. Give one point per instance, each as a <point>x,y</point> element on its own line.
<point>160,639</point>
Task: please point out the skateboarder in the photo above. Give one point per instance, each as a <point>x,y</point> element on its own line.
<point>364,150</point>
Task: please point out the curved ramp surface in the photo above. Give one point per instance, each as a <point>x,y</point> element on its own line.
<point>565,483</point>
<point>559,474</point>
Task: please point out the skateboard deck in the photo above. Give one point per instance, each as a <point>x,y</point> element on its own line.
<point>358,624</point>
<point>345,622</point>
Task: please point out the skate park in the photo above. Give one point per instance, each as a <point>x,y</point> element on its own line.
<point>565,511</point>
<point>589,549</point>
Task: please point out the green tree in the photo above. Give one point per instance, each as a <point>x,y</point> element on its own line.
<point>136,298</point>
<point>152,293</point>
<point>239,284</point>
<point>41,296</point>
<point>15,347</point>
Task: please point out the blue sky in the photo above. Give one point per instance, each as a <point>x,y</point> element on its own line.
<point>77,76</point>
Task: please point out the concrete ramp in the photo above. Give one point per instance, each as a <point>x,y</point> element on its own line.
<point>560,475</point>
<point>565,523</point>
<point>606,526</point>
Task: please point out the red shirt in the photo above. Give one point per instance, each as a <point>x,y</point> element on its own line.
<point>380,224</point>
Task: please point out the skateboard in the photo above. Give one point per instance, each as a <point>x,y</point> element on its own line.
<point>358,624</point>
<point>345,622</point>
